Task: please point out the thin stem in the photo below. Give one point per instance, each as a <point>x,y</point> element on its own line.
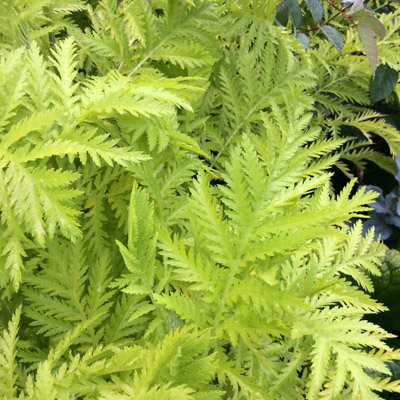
<point>318,27</point>
<point>388,4</point>
<point>341,12</point>
<point>236,263</point>
<point>251,111</point>
<point>147,57</point>
<point>225,294</point>
<point>234,133</point>
<point>129,46</point>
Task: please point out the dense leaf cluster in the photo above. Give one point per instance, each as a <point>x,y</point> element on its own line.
<point>168,224</point>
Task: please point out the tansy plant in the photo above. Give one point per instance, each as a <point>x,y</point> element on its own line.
<point>169,229</point>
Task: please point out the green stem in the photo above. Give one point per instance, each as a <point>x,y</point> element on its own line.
<point>147,56</point>
<point>224,295</point>
<point>248,115</point>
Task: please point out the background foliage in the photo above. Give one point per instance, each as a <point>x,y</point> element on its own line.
<point>169,224</point>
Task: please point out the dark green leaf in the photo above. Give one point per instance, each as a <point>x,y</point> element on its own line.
<point>383,84</point>
<point>304,40</point>
<point>369,44</point>
<point>282,14</point>
<point>294,11</point>
<point>374,24</point>
<point>334,36</point>
<point>317,11</point>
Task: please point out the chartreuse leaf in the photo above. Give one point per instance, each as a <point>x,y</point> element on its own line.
<point>27,125</point>
<point>236,280</point>
<point>334,36</point>
<point>8,350</point>
<point>383,83</point>
<point>369,44</point>
<point>294,11</point>
<point>140,254</point>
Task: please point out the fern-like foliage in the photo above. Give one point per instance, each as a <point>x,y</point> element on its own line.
<point>343,98</point>
<point>131,36</point>
<point>175,368</point>
<point>250,82</point>
<point>8,364</point>
<point>69,122</point>
<point>67,290</point>
<point>255,243</point>
<point>168,225</point>
<point>24,21</point>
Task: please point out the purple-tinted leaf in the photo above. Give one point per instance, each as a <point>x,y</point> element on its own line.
<point>379,203</point>
<point>397,175</point>
<point>382,229</point>
<point>374,188</point>
<point>381,208</point>
<point>393,220</point>
<point>373,23</point>
<point>303,39</point>
<point>391,199</point>
<point>282,14</point>
<point>334,36</point>
<point>317,11</point>
<point>369,44</point>
<point>294,11</point>
<point>358,5</point>
<point>383,84</point>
